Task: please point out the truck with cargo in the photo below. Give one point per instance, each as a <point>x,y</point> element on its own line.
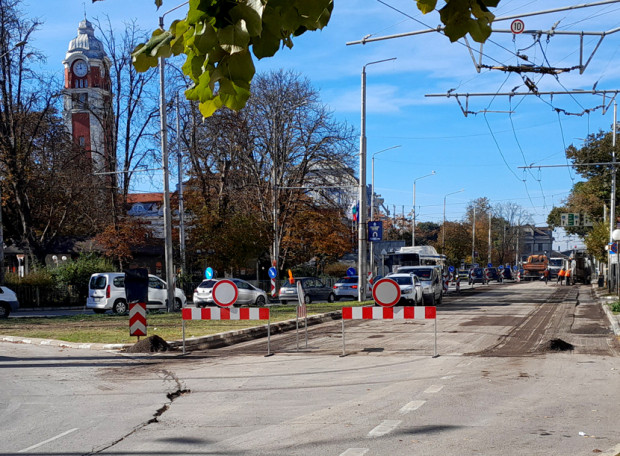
<point>535,266</point>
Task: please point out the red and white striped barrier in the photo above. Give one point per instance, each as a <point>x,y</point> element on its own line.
<point>519,276</point>
<point>137,319</point>
<point>218,313</point>
<point>458,283</point>
<point>389,313</point>
<point>273,288</point>
<point>487,277</point>
<point>233,313</point>
<point>446,282</point>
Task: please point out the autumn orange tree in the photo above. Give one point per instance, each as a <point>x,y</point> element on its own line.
<point>119,242</point>
<point>318,234</point>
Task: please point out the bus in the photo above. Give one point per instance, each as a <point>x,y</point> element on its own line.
<point>423,255</point>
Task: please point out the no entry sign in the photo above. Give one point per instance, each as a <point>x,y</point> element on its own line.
<point>225,293</point>
<point>386,292</point>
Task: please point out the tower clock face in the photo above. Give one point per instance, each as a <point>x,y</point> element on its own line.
<point>80,68</point>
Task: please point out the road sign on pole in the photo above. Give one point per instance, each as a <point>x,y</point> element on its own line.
<point>225,293</point>
<point>386,292</point>
<point>517,26</point>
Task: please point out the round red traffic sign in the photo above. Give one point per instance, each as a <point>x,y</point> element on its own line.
<point>517,26</point>
<point>225,293</point>
<point>386,292</point>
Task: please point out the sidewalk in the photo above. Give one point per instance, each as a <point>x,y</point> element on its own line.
<point>605,299</point>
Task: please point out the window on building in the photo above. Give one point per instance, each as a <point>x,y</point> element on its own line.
<point>81,141</point>
<point>80,100</point>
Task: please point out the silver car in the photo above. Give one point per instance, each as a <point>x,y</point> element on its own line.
<point>248,294</point>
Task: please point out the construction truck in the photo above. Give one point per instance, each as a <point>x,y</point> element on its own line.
<point>534,267</point>
<point>580,266</point>
<point>555,264</point>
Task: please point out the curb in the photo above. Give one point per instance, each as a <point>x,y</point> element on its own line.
<point>212,341</point>
<point>614,320</point>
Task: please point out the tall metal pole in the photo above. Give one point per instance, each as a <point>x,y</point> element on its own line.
<point>612,204</point>
<point>414,211</point>
<point>489,255</point>
<point>180,192</point>
<point>170,283</point>
<point>473,238</point>
<point>362,230</point>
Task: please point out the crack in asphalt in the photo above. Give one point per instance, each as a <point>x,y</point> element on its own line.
<point>172,396</point>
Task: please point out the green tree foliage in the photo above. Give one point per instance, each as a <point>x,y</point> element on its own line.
<point>596,240</point>
<point>589,196</point>
<point>218,38</point>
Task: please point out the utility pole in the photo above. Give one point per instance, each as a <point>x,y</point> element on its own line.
<point>489,256</point>
<point>612,204</point>
<point>473,239</point>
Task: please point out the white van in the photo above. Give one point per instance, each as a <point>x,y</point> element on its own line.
<point>430,276</point>
<point>106,290</point>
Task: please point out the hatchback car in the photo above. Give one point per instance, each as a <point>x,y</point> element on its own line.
<point>494,275</point>
<point>314,290</point>
<point>346,287</point>
<point>410,288</point>
<point>106,291</point>
<point>8,302</point>
<point>249,295</point>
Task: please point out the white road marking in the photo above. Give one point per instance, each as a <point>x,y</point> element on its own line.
<point>448,377</point>
<point>385,427</point>
<point>434,389</point>
<point>355,452</point>
<point>48,440</point>
<point>411,406</point>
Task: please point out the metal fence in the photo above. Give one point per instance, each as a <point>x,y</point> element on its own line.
<point>34,296</point>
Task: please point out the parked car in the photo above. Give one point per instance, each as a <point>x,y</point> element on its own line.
<point>494,275</point>
<point>476,275</point>
<point>430,277</point>
<point>346,287</point>
<point>314,290</point>
<point>248,294</point>
<point>410,288</point>
<point>8,302</point>
<point>106,291</point>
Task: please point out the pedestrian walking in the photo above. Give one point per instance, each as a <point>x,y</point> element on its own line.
<point>561,276</point>
<point>546,275</point>
<point>567,276</point>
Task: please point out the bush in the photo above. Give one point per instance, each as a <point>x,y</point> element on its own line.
<point>615,306</point>
<point>76,273</point>
<point>38,278</point>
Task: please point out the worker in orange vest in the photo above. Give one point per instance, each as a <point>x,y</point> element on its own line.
<point>567,275</point>
<point>561,276</point>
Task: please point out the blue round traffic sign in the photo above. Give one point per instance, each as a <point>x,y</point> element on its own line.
<point>273,272</point>
<point>209,273</point>
<point>351,272</point>
<point>490,265</point>
<point>451,269</point>
<point>500,267</point>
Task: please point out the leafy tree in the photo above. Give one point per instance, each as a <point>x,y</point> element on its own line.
<point>596,240</point>
<point>218,38</point>
<point>119,241</point>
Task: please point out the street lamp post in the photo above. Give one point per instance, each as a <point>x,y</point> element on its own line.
<point>17,45</point>
<point>362,232</point>
<point>372,203</point>
<point>414,211</point>
<point>170,285</point>
<point>443,227</point>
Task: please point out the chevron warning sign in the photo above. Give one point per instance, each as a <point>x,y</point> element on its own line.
<point>137,319</point>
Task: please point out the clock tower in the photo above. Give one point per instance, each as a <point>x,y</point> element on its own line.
<point>87,99</point>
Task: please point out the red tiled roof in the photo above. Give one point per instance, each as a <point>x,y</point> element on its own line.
<point>145,198</point>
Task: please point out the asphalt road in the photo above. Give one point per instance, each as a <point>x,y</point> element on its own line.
<point>496,387</point>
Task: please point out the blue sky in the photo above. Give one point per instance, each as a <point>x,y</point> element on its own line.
<point>480,153</point>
